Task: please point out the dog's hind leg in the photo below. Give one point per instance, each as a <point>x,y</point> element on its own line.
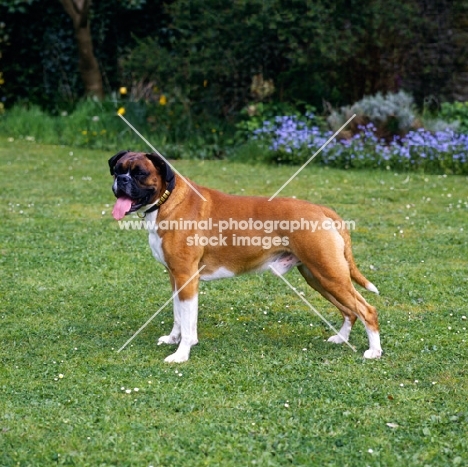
<point>327,271</point>
<point>348,318</point>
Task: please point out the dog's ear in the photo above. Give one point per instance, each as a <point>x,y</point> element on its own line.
<point>162,166</point>
<point>114,159</point>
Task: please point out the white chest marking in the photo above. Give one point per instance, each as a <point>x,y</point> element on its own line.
<point>221,273</point>
<point>155,241</point>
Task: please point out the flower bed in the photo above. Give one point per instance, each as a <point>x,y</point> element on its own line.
<point>293,140</point>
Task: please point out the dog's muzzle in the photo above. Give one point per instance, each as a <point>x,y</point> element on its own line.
<point>122,184</point>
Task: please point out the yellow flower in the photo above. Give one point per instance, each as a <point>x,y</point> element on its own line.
<point>162,100</point>
<point>84,132</point>
<point>205,83</point>
<point>121,111</point>
<point>123,90</point>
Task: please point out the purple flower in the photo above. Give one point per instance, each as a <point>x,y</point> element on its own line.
<point>300,137</point>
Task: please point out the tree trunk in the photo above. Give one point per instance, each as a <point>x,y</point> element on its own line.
<point>78,10</point>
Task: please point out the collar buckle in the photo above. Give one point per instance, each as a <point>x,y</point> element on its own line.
<point>156,205</point>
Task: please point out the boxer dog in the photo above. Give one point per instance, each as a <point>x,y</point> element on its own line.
<point>228,235</point>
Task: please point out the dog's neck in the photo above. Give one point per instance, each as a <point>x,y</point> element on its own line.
<point>170,185</point>
<point>156,205</point>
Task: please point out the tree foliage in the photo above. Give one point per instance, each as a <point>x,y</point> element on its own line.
<point>40,61</point>
<point>207,54</point>
<point>337,50</point>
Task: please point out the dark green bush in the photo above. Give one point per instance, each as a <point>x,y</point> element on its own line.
<point>309,51</point>
<point>455,112</point>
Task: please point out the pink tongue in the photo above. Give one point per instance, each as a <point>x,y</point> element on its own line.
<point>122,206</point>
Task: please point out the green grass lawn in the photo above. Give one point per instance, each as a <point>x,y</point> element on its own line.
<point>263,387</point>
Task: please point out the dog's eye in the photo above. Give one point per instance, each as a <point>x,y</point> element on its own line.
<point>139,173</point>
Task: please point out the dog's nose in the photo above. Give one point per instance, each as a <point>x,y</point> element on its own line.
<point>123,179</point>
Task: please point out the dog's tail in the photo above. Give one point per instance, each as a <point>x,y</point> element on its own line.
<point>355,274</point>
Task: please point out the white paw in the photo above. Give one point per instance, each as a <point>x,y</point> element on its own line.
<point>373,353</point>
<point>168,340</point>
<point>336,339</point>
<point>177,357</point>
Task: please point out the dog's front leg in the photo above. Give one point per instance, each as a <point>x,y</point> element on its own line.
<point>174,336</point>
<point>187,310</point>
<point>185,320</point>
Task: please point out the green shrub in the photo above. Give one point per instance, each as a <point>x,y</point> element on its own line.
<point>92,124</point>
<point>455,112</point>
<point>95,124</point>
<point>32,123</point>
<point>392,113</point>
